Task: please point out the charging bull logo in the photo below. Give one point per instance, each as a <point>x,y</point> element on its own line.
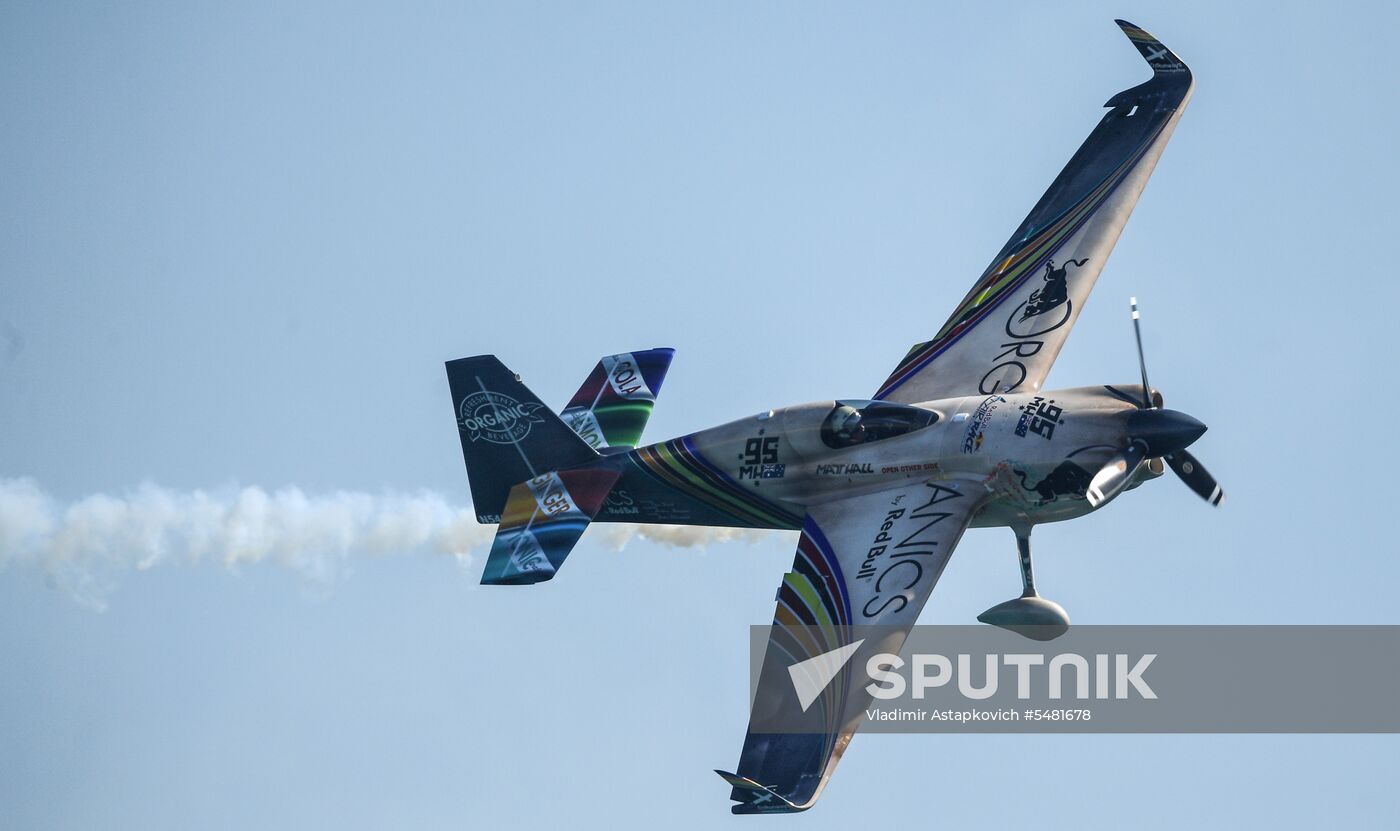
<point>497,418</point>
<point>1055,291</point>
<point>1069,479</point>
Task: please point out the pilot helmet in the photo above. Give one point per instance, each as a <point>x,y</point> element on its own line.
<point>845,422</point>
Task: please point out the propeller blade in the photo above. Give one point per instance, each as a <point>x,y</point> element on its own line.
<point>1196,477</point>
<point>1114,476</point>
<point>1142,361</point>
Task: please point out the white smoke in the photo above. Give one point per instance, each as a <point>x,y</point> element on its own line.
<point>681,536</point>
<point>83,547</point>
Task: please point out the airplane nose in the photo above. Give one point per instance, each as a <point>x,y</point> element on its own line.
<point>1164,431</point>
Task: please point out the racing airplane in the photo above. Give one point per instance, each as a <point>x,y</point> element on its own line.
<point>959,435</point>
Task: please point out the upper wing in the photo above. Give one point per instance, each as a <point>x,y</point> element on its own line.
<point>1007,331</point>
<point>868,560</point>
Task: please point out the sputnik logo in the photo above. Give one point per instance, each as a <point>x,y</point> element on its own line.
<point>811,676</point>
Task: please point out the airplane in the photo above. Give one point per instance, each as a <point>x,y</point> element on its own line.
<point>961,434</point>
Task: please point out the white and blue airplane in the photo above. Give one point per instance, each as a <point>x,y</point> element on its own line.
<point>959,435</point>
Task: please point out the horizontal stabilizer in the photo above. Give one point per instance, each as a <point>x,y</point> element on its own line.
<point>543,519</point>
<point>615,401</point>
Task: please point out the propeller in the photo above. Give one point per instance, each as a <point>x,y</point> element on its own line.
<point>1154,433</point>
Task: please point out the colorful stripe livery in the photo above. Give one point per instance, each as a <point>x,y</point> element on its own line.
<point>814,593</point>
<point>781,773</point>
<point>1139,118</point>
<point>543,519</point>
<point>614,403</point>
<point>812,618</point>
<point>678,464</point>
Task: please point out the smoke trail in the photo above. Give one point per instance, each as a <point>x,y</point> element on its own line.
<point>83,547</point>
<point>681,536</point>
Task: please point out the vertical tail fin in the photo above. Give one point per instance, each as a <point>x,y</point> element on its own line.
<point>508,435</point>
<point>615,401</point>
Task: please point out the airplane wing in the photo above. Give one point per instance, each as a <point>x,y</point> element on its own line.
<point>868,560</point>
<point>1007,331</point>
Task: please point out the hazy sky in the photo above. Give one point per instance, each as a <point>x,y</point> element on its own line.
<point>239,240</point>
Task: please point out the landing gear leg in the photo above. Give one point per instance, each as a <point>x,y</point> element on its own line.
<point>1023,548</point>
<point>1030,614</point>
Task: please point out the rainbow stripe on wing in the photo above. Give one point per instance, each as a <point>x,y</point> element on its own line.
<point>813,617</point>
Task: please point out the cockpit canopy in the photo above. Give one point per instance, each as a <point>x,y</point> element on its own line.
<point>858,422</point>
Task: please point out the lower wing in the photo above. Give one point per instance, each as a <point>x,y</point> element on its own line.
<point>869,560</point>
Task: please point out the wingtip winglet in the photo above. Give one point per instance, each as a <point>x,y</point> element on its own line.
<point>752,798</point>
<point>1162,60</point>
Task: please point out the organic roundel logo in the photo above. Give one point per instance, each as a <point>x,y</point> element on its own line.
<point>497,418</point>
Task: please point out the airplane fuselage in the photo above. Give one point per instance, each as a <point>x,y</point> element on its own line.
<point>1034,452</point>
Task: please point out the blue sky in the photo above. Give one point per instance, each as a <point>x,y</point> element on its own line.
<point>240,240</point>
